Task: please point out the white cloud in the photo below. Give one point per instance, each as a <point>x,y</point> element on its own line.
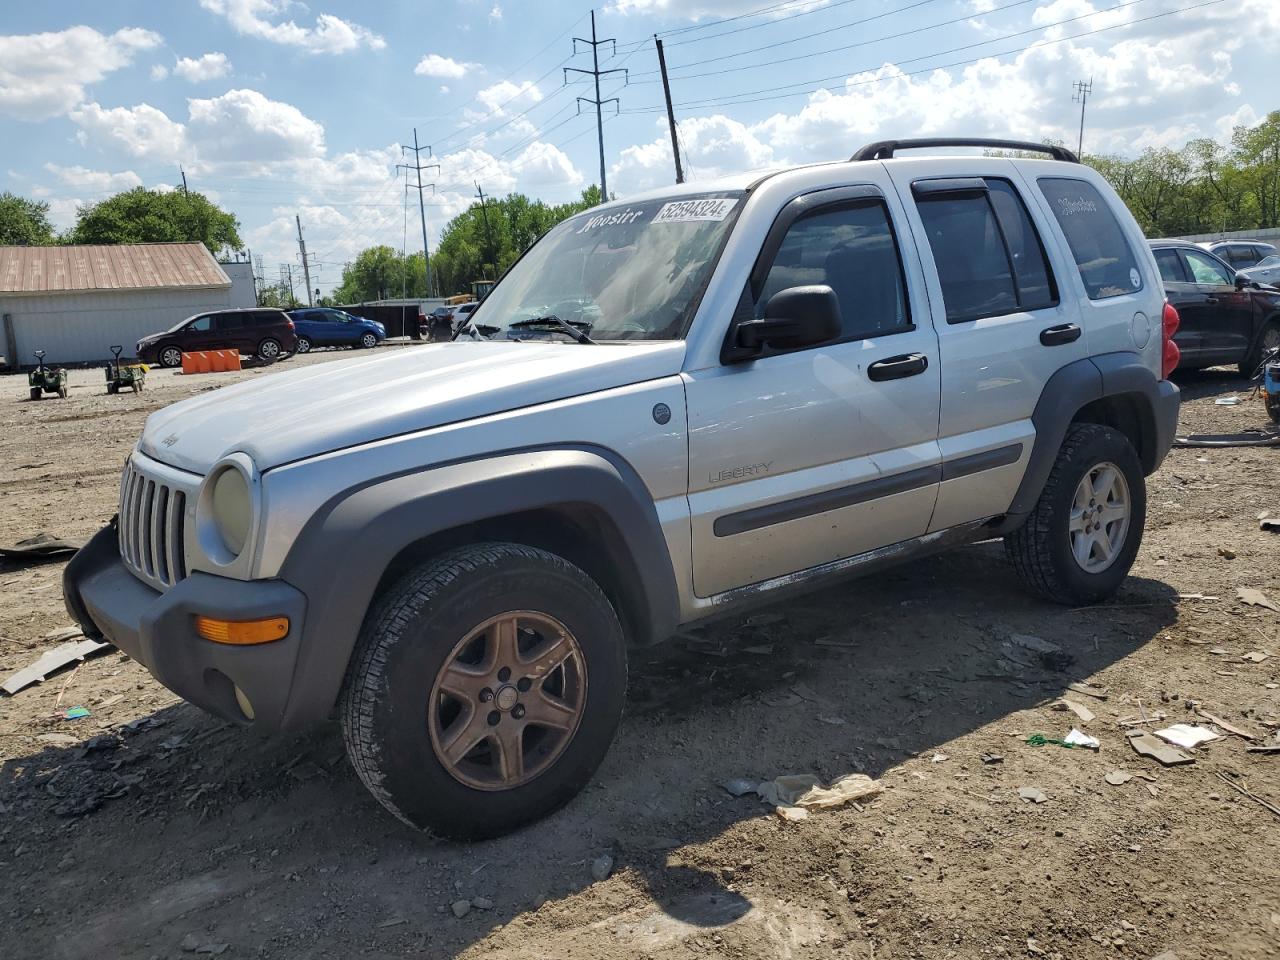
<point>245,127</point>
<point>95,181</point>
<point>255,18</point>
<point>210,66</point>
<point>159,72</point>
<point>44,74</point>
<point>434,65</point>
<point>141,131</point>
<point>544,165</point>
<point>710,147</point>
<point>495,12</point>
<point>507,94</point>
<point>701,9</point>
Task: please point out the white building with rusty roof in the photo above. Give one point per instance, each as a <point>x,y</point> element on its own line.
<point>75,302</point>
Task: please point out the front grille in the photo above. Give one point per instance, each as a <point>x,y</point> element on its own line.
<point>152,524</point>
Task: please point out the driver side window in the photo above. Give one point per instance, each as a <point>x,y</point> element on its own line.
<point>201,324</point>
<point>852,249</point>
<point>1205,269</point>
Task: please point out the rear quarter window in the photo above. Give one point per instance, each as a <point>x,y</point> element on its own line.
<point>1098,245</point>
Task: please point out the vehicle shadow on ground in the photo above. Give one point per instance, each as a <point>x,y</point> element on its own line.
<point>191,825</point>
<point>1213,382</point>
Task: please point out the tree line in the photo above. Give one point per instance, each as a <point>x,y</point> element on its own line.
<point>1204,187</point>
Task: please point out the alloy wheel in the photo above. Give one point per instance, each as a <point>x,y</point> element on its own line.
<point>171,357</point>
<point>507,700</point>
<point>1099,517</point>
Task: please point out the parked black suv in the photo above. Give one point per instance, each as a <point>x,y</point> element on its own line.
<point>264,333</point>
<point>1226,317</point>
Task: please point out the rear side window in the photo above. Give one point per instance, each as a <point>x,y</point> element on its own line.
<point>1106,262</point>
<point>988,254</point>
<point>1170,265</point>
<point>228,321</point>
<point>269,317</point>
<point>850,248</point>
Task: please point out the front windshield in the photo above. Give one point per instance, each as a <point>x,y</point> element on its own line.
<point>631,273</point>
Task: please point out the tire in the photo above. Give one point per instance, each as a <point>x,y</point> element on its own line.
<point>113,387</point>
<point>1043,551</point>
<point>398,672</point>
<point>269,350</point>
<point>137,386</point>
<point>62,392</point>
<point>1268,340</point>
<point>170,356</point>
<point>36,393</point>
<point>304,345</point>
<point>369,341</point>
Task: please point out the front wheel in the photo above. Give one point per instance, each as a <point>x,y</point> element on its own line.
<point>36,393</point>
<point>486,687</point>
<point>1083,534</point>
<point>269,350</point>
<point>304,345</point>
<point>368,341</point>
<point>170,357</point>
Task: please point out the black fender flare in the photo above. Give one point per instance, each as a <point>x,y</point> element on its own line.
<point>339,558</point>
<point>1075,386</point>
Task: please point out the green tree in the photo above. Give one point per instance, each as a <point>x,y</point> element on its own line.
<point>23,222</point>
<point>380,273</point>
<point>151,216</point>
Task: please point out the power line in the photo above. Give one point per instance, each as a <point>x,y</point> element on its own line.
<point>596,73</point>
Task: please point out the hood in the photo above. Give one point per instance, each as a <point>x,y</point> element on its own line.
<point>283,417</point>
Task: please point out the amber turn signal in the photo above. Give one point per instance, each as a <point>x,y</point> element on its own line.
<point>242,631</point>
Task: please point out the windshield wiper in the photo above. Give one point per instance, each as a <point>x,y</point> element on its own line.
<point>481,330</point>
<point>554,322</point>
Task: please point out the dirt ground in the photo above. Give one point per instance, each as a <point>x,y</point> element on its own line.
<point>149,829</point>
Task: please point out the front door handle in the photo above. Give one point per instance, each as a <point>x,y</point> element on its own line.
<point>1063,333</point>
<point>1210,299</point>
<point>895,368</point>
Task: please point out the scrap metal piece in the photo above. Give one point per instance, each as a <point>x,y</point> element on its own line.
<point>51,661</point>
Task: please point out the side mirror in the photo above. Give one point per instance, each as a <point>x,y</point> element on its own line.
<point>793,318</point>
<point>1243,282</point>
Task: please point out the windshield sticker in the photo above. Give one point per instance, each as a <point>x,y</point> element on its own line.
<point>685,211</point>
<point>609,220</point>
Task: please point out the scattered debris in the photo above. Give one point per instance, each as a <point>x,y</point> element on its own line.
<point>760,650</point>
<point>1226,554</point>
<point>939,758</point>
<point>1197,596</point>
<point>64,633</point>
<point>75,713</point>
<point>1187,736</point>
<point>782,700</point>
<point>1246,793</point>
<point>1227,401</point>
<point>51,661</point>
<point>1145,745</point>
<point>1032,794</point>
<point>460,908</point>
<point>1218,721</point>
<point>189,943</point>
<point>213,949</point>
<point>739,787</point>
<point>602,867</point>
<point>482,903</point>
<point>1254,656</point>
<point>835,642</point>
<point>1089,690</point>
<point>1077,739</point>
<point>1275,749</point>
<point>392,922</point>
<point>806,693</point>
<point>1034,644</point>
<point>990,758</point>
<point>806,790</point>
<point>40,547</point>
<point>1118,778</point>
<point>1270,525</point>
<point>833,721</point>
<point>792,814</point>
<point>1083,713</point>
<point>1255,598</point>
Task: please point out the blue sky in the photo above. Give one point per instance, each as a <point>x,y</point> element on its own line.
<point>275,108</point>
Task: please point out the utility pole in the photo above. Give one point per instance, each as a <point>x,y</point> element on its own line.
<point>1081,97</point>
<point>288,270</point>
<point>488,237</point>
<point>671,113</point>
<point>597,73</point>
<point>418,167</point>
<point>184,181</point>
<point>306,267</point>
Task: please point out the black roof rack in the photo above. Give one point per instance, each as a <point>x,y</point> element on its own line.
<point>883,149</point>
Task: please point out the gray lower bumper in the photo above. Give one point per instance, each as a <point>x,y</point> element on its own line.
<point>158,630</point>
<point>1167,402</point>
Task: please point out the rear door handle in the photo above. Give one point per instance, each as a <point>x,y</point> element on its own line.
<point>1063,333</point>
<point>895,368</point>
<point>1210,299</point>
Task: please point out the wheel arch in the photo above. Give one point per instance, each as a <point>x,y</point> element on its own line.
<point>585,504</point>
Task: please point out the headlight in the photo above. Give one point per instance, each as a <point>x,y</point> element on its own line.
<point>232,509</point>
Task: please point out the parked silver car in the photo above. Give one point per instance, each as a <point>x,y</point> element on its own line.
<point>1267,270</point>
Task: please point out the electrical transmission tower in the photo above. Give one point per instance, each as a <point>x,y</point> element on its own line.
<point>597,73</point>
<point>1081,97</point>
<point>418,166</point>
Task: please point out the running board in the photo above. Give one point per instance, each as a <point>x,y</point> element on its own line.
<point>813,578</point>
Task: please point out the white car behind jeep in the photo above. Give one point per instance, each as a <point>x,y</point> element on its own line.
<point>671,408</point>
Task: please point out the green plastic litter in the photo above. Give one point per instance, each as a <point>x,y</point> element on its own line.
<point>76,713</point>
<point>1039,740</point>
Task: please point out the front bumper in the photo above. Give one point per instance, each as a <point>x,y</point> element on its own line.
<point>158,630</point>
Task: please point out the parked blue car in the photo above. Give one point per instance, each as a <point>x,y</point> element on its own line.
<point>326,327</point>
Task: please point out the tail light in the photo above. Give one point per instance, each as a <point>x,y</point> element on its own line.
<point>289,321</point>
<point>1169,321</point>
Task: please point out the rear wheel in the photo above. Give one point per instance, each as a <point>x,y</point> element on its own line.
<point>486,687</point>
<point>1082,536</point>
<point>304,345</point>
<point>1267,342</point>
<point>269,350</point>
<point>62,391</point>
<point>35,393</point>
<point>170,357</point>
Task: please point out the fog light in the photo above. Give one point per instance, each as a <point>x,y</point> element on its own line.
<point>242,632</point>
<point>245,706</point>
